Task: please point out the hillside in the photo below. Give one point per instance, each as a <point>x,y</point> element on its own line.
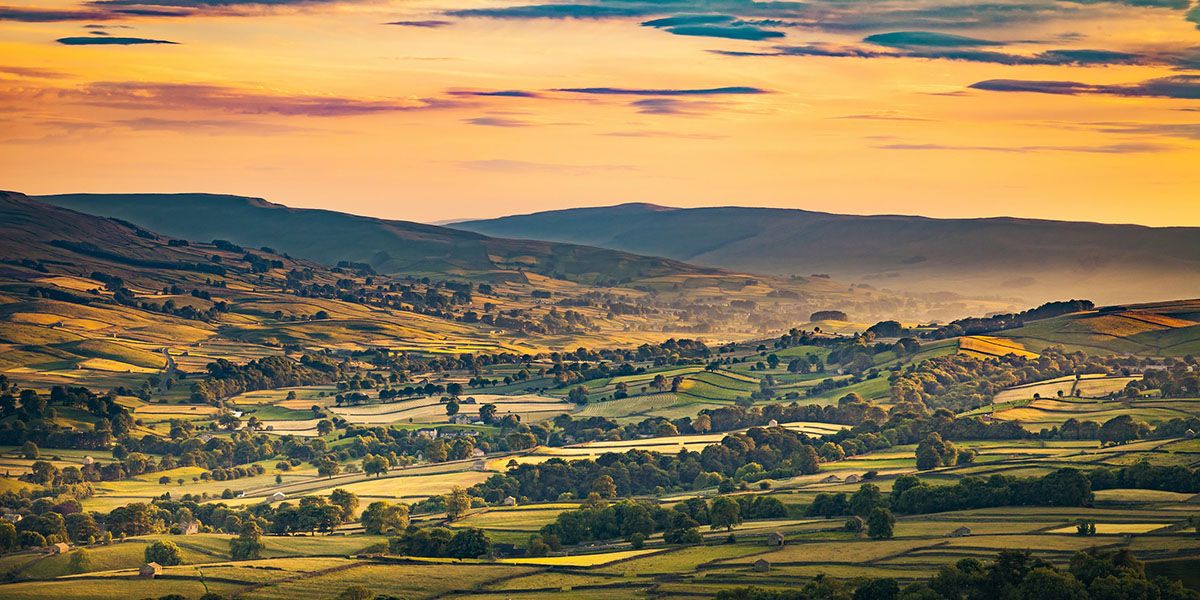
<point>1153,329</point>
<point>1033,260</point>
<point>388,246</point>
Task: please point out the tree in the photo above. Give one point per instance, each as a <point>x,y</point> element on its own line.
<point>457,503</point>
<point>248,545</point>
<point>726,513</point>
<point>605,486</point>
<point>487,413</point>
<point>934,452</point>
<point>382,518</point>
<point>328,467</point>
<point>373,464</point>
<point>346,501</point>
<point>356,592</point>
<point>454,389</point>
<point>1047,584</point>
<point>324,427</point>
<point>30,451</point>
<point>164,552</point>
<point>878,589</point>
<point>82,527</point>
<point>865,500</point>
<point>881,524</point>
<point>578,395</point>
<point>1121,429</point>
<point>451,408</point>
<point>469,543</point>
<point>8,536</point>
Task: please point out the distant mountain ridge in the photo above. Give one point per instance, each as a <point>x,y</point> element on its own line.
<point>389,246</point>
<point>1036,260</point>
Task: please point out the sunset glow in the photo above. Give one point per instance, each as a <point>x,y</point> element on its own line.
<point>432,111</point>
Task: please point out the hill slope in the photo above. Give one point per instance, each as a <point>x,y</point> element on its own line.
<point>1035,260</point>
<point>388,246</point>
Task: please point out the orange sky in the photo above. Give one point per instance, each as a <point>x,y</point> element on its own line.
<point>452,115</point>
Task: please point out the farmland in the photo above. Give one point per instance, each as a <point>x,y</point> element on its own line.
<point>262,426</point>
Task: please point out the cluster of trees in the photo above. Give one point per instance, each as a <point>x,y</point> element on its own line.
<point>30,417</point>
<point>981,325</point>
<point>1013,575</point>
<point>910,495</point>
<point>226,379</point>
<point>756,454</point>
<point>441,542</point>
<point>1180,379</point>
<point>636,520</point>
<point>960,382</point>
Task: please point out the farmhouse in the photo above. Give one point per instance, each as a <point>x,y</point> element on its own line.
<point>277,496</point>
<point>509,501</point>
<point>772,423</point>
<point>853,479</point>
<point>831,479</point>
<point>775,539</point>
<point>762,565</point>
<point>477,453</point>
<point>59,548</point>
<point>149,570</point>
<point>960,532</point>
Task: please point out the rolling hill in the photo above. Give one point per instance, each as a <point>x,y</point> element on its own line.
<point>388,246</point>
<point>1033,260</point>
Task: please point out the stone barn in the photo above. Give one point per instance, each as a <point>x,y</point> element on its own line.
<point>149,570</point>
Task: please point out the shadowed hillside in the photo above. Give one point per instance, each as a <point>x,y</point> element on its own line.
<point>1032,259</point>
<point>388,246</point>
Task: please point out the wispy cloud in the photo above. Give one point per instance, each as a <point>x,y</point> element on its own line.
<point>717,91</point>
<point>1125,148</point>
<point>497,122</point>
<point>203,97</point>
<point>427,24</point>
<point>103,39</point>
<point>1179,86</point>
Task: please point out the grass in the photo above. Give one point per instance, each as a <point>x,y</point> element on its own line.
<point>1115,528</point>
<point>581,560</point>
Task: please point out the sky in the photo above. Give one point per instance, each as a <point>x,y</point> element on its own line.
<point>430,110</point>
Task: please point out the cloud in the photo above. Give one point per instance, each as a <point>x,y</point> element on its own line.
<point>668,106</point>
<point>718,91</point>
<point>187,96</point>
<point>883,116</point>
<point>497,122</point>
<point>732,32</point>
<point>717,26</point>
<point>430,24</point>
<point>905,39</point>
<point>554,11</point>
<point>206,125</point>
<point>680,20</point>
<point>1078,58</point>
<point>1184,87</point>
<point>496,93</point>
<point>1126,148</point>
<point>49,15</point>
<point>32,72</point>
<point>104,40</point>
<point>1189,131</point>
